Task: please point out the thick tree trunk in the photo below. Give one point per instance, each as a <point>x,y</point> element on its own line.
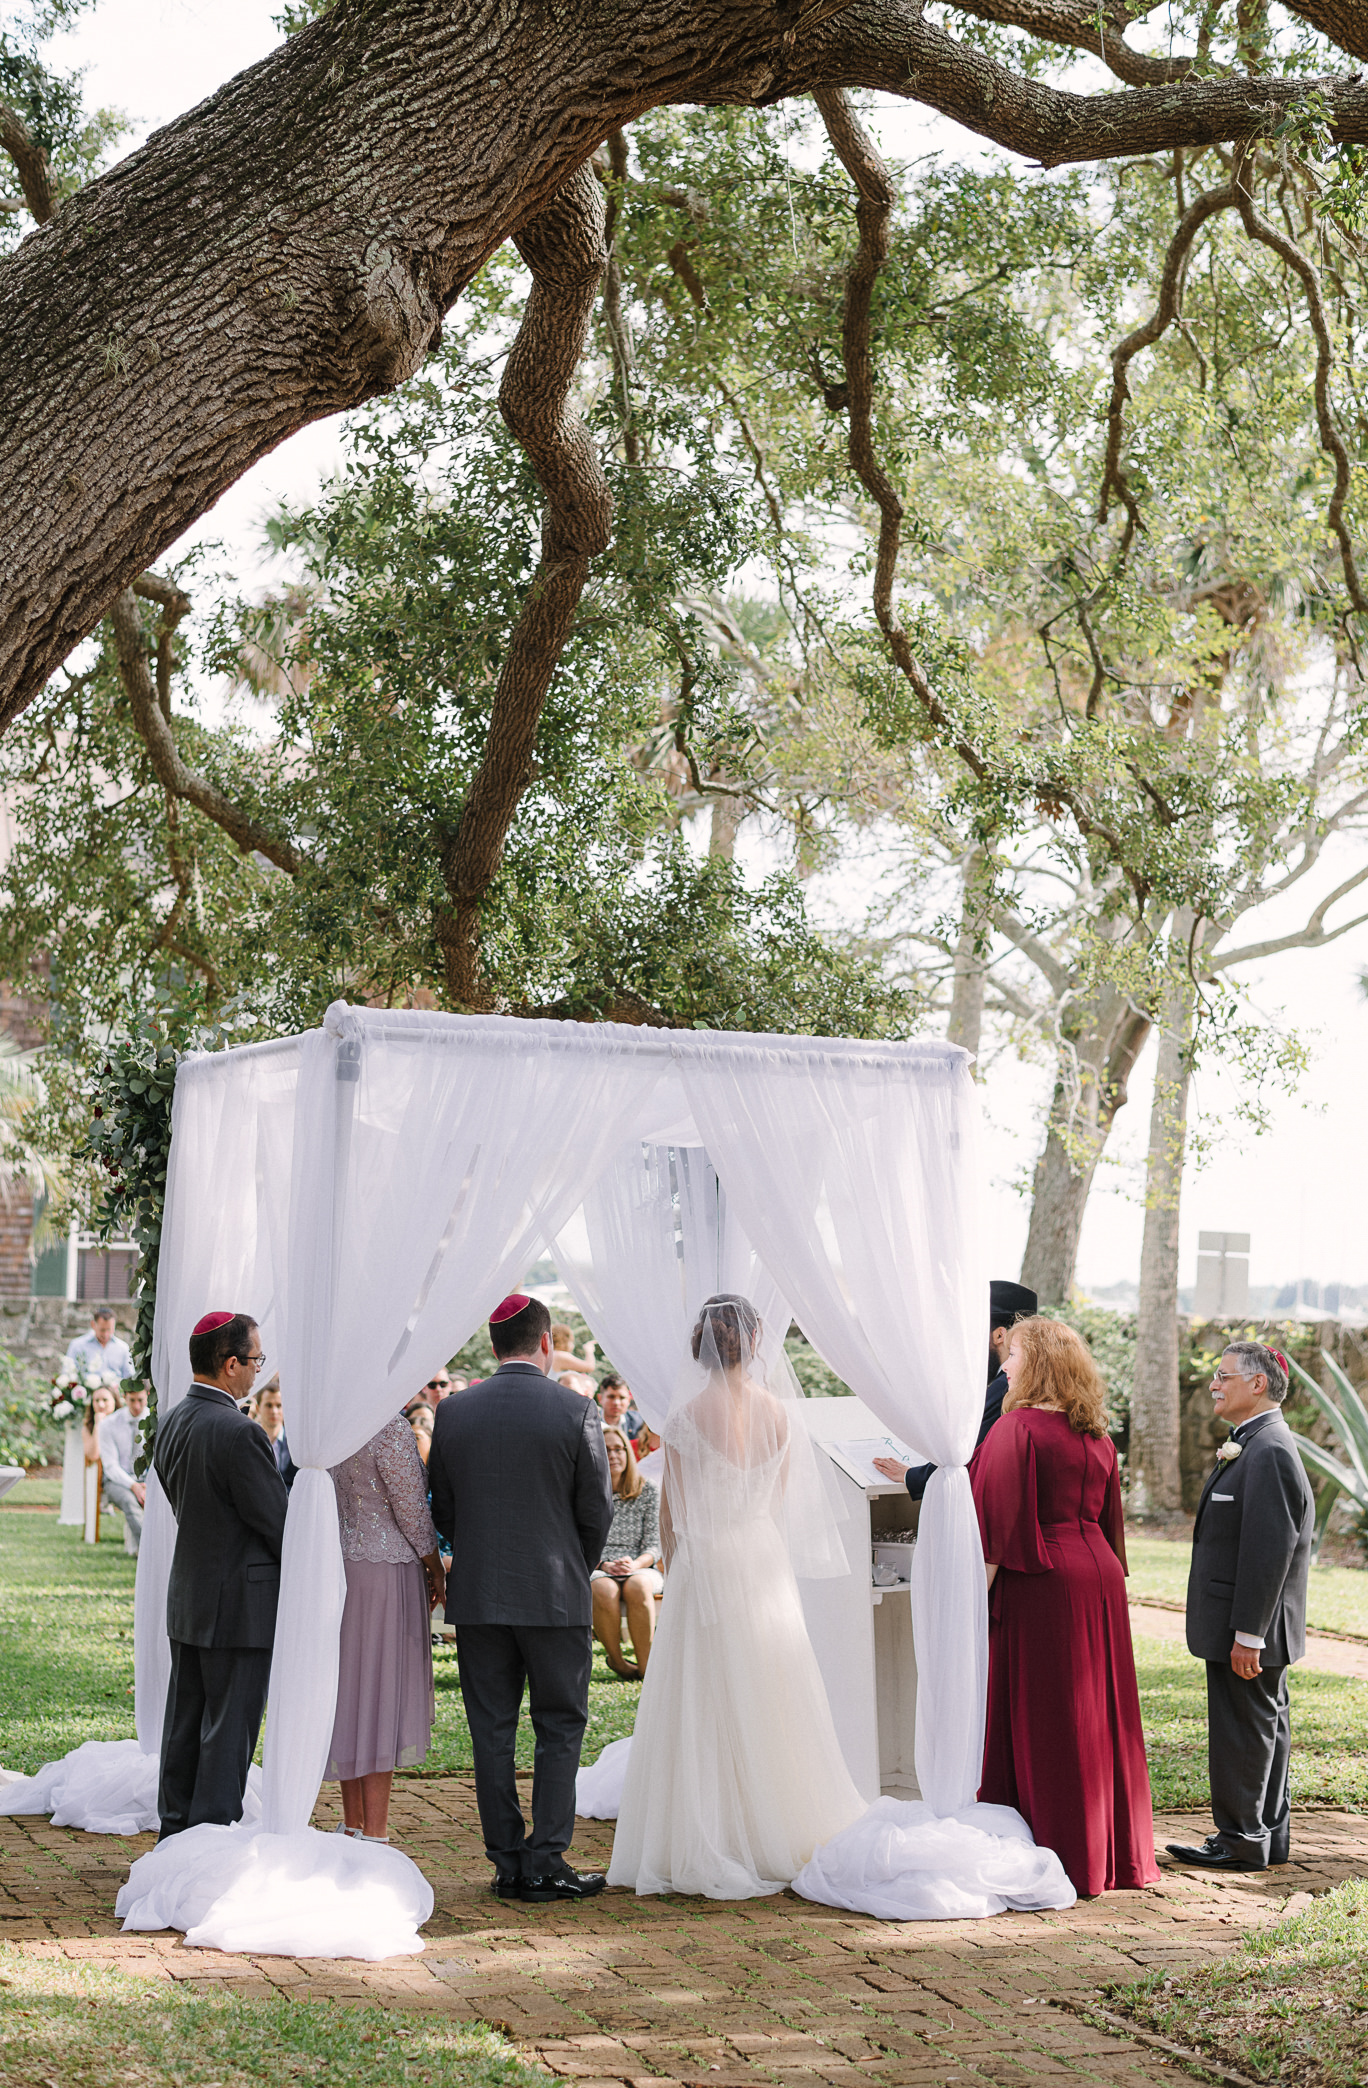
<point>971,958</point>
<point>1084,1108</point>
<point>1155,1480</point>
<point>289,248</point>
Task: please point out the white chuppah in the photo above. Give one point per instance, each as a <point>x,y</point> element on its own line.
<point>371,1189</point>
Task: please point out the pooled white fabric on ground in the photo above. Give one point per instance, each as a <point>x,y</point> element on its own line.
<point>279,1895</point>
<point>103,1786</point>
<point>598,1787</point>
<point>899,1862</point>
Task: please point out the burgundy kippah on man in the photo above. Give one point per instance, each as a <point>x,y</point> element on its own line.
<point>210,1321</point>
<point>510,1308</point>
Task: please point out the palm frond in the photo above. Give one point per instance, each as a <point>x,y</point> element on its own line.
<point>1345,1432</point>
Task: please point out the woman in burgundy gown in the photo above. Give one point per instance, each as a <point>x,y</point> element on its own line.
<point>1064,1743</point>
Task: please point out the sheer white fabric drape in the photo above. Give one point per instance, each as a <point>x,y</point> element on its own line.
<point>429,1163</point>
<point>653,1238</point>
<point>222,1237</point>
<point>429,1170</point>
<point>856,1172</point>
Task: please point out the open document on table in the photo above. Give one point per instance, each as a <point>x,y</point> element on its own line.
<point>856,1458</point>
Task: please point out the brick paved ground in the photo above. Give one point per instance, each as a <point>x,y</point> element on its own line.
<point>627,1991</point>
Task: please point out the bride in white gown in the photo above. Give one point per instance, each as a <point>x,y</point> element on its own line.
<point>735,1775</point>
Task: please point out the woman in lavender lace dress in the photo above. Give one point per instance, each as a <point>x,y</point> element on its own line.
<point>394,1581</point>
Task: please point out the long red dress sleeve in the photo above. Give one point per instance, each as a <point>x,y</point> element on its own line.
<point>1003,1476</point>
<point>1063,1743</point>
<point>1113,1516</point>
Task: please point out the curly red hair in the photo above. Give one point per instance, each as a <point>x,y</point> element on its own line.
<point>1059,1372</point>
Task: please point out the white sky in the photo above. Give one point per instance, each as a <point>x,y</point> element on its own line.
<point>1292,1189</point>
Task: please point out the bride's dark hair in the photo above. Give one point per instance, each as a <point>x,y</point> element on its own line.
<point>735,1325</point>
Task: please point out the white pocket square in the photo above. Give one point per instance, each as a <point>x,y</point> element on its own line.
<point>1222,1497</point>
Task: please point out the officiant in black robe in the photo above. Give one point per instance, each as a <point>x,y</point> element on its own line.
<point>1007,1303</point>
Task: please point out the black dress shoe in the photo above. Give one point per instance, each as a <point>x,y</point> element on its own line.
<point>1214,1855</point>
<point>506,1884</point>
<point>562,1883</point>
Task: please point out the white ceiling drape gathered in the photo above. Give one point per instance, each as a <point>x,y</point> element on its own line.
<point>855,1170</point>
<point>654,1237</point>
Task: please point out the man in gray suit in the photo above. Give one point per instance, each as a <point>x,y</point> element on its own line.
<point>520,1488</point>
<point>218,1472</point>
<point>1246,1611</point>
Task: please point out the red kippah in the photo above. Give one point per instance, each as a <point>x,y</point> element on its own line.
<point>510,1308</point>
<point>212,1320</point>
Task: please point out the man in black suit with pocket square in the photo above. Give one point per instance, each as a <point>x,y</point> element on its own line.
<point>1246,1611</point>
<point>521,1491</point>
<point>218,1471</point>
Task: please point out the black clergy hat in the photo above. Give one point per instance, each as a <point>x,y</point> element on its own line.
<point>1008,1301</point>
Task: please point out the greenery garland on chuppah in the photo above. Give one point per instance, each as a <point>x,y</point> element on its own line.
<point>130,1138</point>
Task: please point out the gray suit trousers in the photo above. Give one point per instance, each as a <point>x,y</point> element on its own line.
<point>553,1662</point>
<point>1249,1740</point>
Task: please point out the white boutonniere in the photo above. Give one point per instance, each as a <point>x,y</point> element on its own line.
<point>1228,1453</point>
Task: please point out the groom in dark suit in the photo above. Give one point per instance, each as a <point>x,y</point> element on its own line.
<point>1246,1610</point>
<point>219,1474</point>
<point>520,1488</point>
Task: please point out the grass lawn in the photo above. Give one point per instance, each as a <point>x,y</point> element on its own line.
<point>1329,1723</point>
<point>85,2027</point>
<point>1291,2005</point>
<point>66,1632</point>
<point>1336,1599</point>
<point>612,1714</point>
<point>66,1650</point>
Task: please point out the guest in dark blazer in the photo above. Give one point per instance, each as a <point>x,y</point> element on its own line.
<point>520,1489</point>
<point>1246,1611</point>
<point>218,1471</point>
<point>1007,1303</point>
<point>266,1410</point>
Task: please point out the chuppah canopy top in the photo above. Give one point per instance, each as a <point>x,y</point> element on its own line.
<point>371,1189</point>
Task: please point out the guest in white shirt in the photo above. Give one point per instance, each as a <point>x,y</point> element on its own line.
<point>118,1440</point>
<point>101,1348</point>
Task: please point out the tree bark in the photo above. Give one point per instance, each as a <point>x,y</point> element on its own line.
<point>971,964</point>
<point>564,249</point>
<point>1155,1479</point>
<point>1086,1099</point>
<point>289,248</point>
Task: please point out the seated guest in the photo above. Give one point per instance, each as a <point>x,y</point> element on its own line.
<point>117,1440</point>
<point>650,1453</point>
<point>578,1381</point>
<point>1064,1743</point>
<point>615,1404</point>
<point>628,1570</point>
<point>437,1388</point>
<point>99,1407</point>
<point>265,1409</point>
<point>563,1352</point>
<point>420,1420</point>
<point>394,1582</point>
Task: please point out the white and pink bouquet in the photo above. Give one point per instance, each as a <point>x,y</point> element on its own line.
<point>72,1388</point>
